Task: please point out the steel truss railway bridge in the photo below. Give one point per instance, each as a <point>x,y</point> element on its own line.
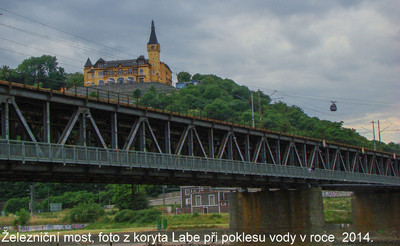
<point>51,136</point>
<point>70,137</point>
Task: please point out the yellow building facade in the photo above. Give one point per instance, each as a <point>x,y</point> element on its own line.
<point>132,70</point>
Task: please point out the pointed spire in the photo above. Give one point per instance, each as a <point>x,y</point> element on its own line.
<point>88,63</point>
<point>153,37</point>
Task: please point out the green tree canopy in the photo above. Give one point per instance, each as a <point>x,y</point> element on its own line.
<point>129,197</point>
<point>74,79</point>
<point>184,77</point>
<point>44,70</point>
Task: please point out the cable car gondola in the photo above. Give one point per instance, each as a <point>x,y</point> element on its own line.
<point>333,107</point>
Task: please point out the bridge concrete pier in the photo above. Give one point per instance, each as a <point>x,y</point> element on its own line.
<point>277,212</point>
<point>376,211</point>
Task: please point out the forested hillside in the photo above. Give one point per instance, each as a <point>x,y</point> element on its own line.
<point>223,99</point>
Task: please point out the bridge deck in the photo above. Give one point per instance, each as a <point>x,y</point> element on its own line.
<point>46,162</point>
<point>77,138</point>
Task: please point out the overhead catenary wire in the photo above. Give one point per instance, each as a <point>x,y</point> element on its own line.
<point>24,54</point>
<point>31,47</point>
<point>60,41</point>
<point>65,32</point>
<point>81,38</point>
<point>323,98</point>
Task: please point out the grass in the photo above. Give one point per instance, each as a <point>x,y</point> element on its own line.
<point>191,221</point>
<point>46,218</point>
<point>337,210</point>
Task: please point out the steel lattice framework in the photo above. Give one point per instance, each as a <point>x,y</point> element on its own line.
<point>44,134</point>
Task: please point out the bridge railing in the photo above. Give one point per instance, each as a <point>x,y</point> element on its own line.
<point>81,155</point>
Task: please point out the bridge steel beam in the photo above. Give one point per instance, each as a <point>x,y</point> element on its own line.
<point>5,116</point>
<point>40,112</point>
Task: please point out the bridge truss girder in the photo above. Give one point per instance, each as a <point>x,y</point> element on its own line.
<point>39,116</point>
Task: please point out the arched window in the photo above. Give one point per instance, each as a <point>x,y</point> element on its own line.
<point>141,71</point>
<point>120,71</point>
<point>101,82</point>
<point>130,80</point>
<point>110,81</point>
<point>120,80</point>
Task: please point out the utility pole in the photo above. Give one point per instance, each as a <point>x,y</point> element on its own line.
<point>163,194</point>
<point>252,109</point>
<point>379,133</point>
<point>32,198</point>
<point>373,132</point>
<point>259,105</point>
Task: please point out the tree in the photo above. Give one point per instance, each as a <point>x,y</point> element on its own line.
<point>137,93</point>
<point>22,217</point>
<point>184,77</point>
<point>218,110</point>
<point>86,212</point>
<point>16,204</point>
<point>9,74</point>
<point>129,197</point>
<point>74,79</point>
<point>42,69</point>
<point>149,99</point>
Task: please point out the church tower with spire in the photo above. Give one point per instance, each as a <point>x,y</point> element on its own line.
<point>153,50</point>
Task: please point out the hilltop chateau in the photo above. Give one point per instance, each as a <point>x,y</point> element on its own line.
<point>130,71</point>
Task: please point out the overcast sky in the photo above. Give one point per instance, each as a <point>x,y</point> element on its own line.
<point>305,53</point>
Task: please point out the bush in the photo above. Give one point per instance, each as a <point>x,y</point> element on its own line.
<point>145,216</point>
<point>124,215</point>
<point>86,212</point>
<point>93,94</point>
<point>215,216</point>
<point>16,204</point>
<point>23,216</point>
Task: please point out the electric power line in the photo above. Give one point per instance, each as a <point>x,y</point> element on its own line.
<point>60,41</point>
<point>65,32</point>
<point>24,54</point>
<point>39,49</point>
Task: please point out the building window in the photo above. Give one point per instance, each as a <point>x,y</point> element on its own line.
<point>105,72</point>
<point>120,71</point>
<point>101,82</point>
<point>154,71</point>
<point>198,200</point>
<point>129,70</point>
<point>135,71</point>
<point>141,80</point>
<point>120,80</point>
<point>187,192</point>
<point>110,81</point>
<point>130,80</point>
<point>111,72</point>
<point>188,201</point>
<point>211,199</point>
<point>152,47</point>
<point>141,71</point>
<point>92,75</point>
